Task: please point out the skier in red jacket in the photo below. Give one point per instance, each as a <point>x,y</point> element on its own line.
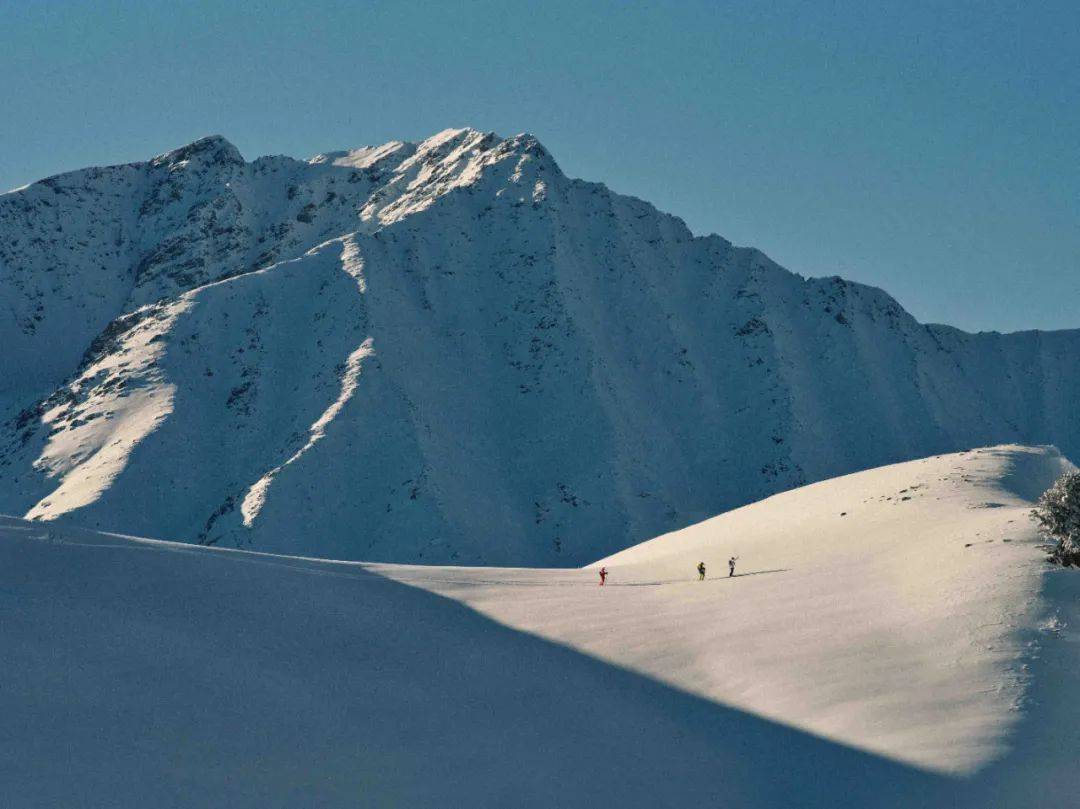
<point>603,576</point>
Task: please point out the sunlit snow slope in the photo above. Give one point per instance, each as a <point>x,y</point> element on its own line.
<point>893,609</point>
<point>449,351</point>
<point>892,638</point>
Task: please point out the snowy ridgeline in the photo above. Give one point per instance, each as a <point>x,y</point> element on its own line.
<point>892,638</point>
<point>449,351</point>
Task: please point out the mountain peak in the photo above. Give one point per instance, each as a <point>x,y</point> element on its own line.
<point>466,139</point>
<point>209,149</point>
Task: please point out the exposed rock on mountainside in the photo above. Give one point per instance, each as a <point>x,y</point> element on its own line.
<point>449,351</point>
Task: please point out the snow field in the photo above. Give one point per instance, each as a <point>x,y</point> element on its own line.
<point>912,652</point>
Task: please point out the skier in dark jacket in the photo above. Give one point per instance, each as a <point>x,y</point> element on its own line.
<point>603,576</point>
<point>701,571</point>
<point>731,566</point>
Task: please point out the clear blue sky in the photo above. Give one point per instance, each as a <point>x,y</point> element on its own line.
<point>930,148</point>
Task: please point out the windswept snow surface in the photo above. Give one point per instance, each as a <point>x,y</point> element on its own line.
<point>893,638</point>
<point>893,610</point>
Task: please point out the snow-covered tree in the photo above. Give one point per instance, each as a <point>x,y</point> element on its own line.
<point>1058,515</point>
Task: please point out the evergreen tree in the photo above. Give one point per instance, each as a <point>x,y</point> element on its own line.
<point>1058,516</point>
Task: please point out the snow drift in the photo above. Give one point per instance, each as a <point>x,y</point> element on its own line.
<point>892,638</point>
<point>449,351</point>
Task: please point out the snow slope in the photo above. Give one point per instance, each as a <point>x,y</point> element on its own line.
<point>913,652</point>
<point>449,352</point>
<point>892,610</point>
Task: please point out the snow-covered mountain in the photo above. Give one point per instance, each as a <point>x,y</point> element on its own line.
<point>450,351</point>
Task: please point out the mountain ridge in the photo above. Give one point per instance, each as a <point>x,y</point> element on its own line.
<point>599,372</point>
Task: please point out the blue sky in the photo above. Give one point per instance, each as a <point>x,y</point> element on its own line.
<point>927,148</point>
